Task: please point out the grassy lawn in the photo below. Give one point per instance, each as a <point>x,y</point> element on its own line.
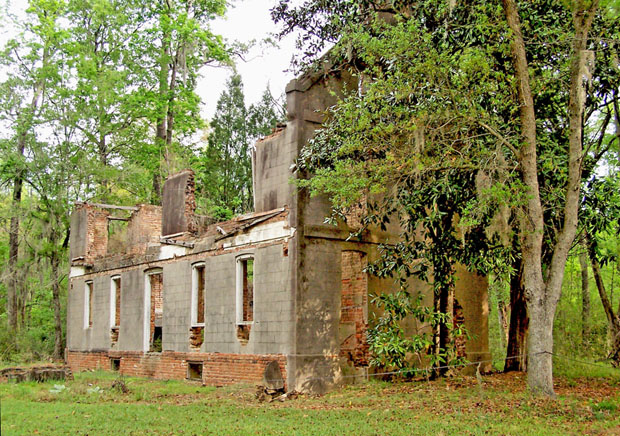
<point>89,406</point>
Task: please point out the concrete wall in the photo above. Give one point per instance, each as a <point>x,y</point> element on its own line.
<point>97,336</point>
<point>75,314</point>
<point>132,331</point>
<point>318,315</point>
<point>177,293</point>
<point>77,238</point>
<point>471,291</point>
<point>272,160</point>
<point>273,315</point>
<point>178,204</point>
<point>318,269</point>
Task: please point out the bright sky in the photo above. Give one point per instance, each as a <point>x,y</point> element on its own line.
<point>265,65</point>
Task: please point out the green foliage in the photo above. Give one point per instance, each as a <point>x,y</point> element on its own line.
<point>225,166</point>
<point>395,347</point>
<point>433,125</point>
<point>79,112</point>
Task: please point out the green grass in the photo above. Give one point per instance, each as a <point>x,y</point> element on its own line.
<point>452,406</point>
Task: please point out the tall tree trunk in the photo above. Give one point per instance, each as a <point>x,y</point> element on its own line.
<point>543,293</point>
<point>613,319</point>
<point>161,129</point>
<point>55,264</point>
<point>102,148</point>
<point>441,331</point>
<point>502,318</point>
<point>13,283</point>
<point>585,295</point>
<point>516,351</point>
<point>540,375</point>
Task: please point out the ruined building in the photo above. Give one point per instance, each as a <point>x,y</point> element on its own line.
<point>176,297</point>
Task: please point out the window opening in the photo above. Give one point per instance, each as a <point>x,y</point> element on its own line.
<point>115,308</point>
<point>198,297</point>
<point>115,364</point>
<point>196,330</point>
<point>194,370</point>
<point>354,309</point>
<point>154,303</point>
<point>88,305</point>
<point>117,232</point>
<point>245,297</point>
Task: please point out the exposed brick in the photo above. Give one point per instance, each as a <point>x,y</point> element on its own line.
<point>218,368</point>
<point>196,337</point>
<point>353,307</point>
<point>143,228</point>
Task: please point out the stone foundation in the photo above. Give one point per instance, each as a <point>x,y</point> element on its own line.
<point>218,368</point>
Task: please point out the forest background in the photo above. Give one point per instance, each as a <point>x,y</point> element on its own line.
<point>99,104</point>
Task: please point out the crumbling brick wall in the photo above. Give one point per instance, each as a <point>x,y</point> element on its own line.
<point>196,338</point>
<point>96,244</point>
<point>354,308</point>
<point>190,204</point>
<point>219,368</point>
<point>179,204</point>
<point>144,227</point>
<point>355,213</point>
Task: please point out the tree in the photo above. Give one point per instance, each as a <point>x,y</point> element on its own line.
<point>80,104</point>
<point>136,66</point>
<point>183,43</point>
<point>601,215</point>
<point>33,62</point>
<point>585,294</point>
<point>226,165</point>
<point>450,105</point>
<point>99,101</point>
<point>543,290</point>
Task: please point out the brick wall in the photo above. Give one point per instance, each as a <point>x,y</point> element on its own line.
<point>219,369</point>
<point>144,227</point>
<point>190,204</point>
<point>354,214</point>
<point>196,338</point>
<point>96,233</point>
<point>79,361</point>
<point>353,308</point>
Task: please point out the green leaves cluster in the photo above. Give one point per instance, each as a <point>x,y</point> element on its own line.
<point>98,102</point>
<point>225,166</point>
<point>431,130</point>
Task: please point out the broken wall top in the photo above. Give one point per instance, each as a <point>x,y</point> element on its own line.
<point>179,204</point>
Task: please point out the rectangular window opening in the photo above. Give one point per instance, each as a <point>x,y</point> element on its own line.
<point>115,364</point>
<point>115,309</point>
<point>196,330</point>
<point>245,298</point>
<point>194,370</point>
<point>88,305</point>
<point>117,232</point>
<point>116,285</point>
<point>155,304</point>
<point>245,290</point>
<point>156,345</point>
<point>198,295</point>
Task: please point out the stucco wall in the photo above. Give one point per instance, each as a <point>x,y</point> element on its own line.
<point>272,303</point>
<point>177,306</point>
<point>132,331</point>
